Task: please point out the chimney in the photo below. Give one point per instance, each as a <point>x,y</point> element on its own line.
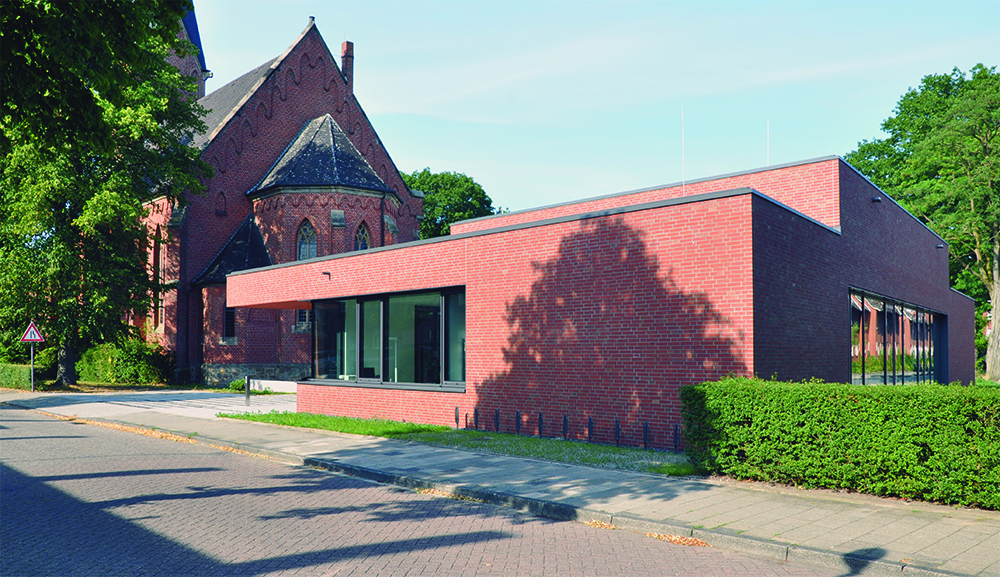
<point>347,64</point>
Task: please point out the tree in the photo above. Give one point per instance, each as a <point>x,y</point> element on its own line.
<point>449,197</point>
<point>60,60</point>
<point>941,160</point>
<point>73,248</point>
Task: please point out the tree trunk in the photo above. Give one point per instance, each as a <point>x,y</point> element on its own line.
<point>993,341</point>
<point>66,371</point>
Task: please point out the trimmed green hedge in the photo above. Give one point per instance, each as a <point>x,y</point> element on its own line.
<point>928,442</point>
<point>18,376</point>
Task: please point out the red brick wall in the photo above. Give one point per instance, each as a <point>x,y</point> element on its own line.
<point>606,317</point>
<point>809,187</point>
<point>306,85</point>
<point>631,306</point>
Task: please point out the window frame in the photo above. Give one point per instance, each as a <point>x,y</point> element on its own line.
<point>306,229</point>
<point>892,327</point>
<point>382,380</point>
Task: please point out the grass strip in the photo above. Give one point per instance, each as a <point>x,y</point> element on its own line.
<point>558,450</point>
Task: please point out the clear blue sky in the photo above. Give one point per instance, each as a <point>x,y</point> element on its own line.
<point>546,101</point>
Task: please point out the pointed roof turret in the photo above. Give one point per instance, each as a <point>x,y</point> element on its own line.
<point>245,250</point>
<point>322,155</point>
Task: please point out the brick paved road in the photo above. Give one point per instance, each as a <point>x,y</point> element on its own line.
<point>79,499</point>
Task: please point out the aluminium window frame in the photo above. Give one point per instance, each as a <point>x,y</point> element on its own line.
<point>445,385</point>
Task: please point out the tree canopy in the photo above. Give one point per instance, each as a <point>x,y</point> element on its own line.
<point>449,197</point>
<point>941,160</point>
<point>73,247</point>
<point>61,61</point>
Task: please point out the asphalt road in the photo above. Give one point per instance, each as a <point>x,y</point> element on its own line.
<point>79,499</point>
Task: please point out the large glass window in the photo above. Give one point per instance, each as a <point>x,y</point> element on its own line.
<point>414,345</point>
<point>336,354</point>
<point>413,340</point>
<point>455,345</point>
<point>370,340</point>
<point>892,342</point>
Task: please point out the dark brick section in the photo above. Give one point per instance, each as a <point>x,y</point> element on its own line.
<point>88,501</point>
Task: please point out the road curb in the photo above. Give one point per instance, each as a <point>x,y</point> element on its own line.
<point>717,537</point>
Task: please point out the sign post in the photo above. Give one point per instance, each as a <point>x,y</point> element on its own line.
<point>32,335</point>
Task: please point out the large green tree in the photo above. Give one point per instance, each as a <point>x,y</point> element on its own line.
<point>60,62</point>
<point>449,197</point>
<point>72,243</point>
<point>941,160</point>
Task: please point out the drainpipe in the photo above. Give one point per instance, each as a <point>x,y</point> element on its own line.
<point>382,219</point>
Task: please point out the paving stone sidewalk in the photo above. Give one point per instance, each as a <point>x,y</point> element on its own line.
<point>858,534</point>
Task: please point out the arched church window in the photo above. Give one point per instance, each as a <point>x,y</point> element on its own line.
<point>306,243</point>
<point>362,240</point>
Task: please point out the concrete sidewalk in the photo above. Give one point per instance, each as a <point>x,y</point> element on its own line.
<point>857,534</point>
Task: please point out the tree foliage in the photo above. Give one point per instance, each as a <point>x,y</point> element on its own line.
<point>941,160</point>
<point>61,61</point>
<point>72,243</point>
<point>449,197</point>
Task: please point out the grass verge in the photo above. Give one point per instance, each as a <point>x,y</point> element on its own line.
<point>572,452</point>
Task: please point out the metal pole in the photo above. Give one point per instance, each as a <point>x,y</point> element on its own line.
<point>246,387</point>
<point>32,367</point>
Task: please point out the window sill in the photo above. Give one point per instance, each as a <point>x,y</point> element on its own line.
<point>445,388</point>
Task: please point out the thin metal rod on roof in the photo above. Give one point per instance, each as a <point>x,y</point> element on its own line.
<point>769,142</point>
<point>682,149</point>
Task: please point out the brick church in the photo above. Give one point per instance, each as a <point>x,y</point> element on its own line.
<point>300,173</point>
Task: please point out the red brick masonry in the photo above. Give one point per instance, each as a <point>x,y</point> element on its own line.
<point>605,307</point>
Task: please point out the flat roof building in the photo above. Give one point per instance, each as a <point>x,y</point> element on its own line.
<point>592,313</point>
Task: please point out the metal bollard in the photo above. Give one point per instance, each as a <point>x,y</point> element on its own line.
<point>541,426</point>
<point>590,429</point>
<point>496,420</point>
<point>618,432</point>
<point>246,388</point>
<point>517,422</point>
<point>565,428</point>
<point>475,418</point>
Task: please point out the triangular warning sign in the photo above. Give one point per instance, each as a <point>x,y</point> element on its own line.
<point>32,334</point>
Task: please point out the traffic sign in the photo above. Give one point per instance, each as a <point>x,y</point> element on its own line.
<point>32,334</point>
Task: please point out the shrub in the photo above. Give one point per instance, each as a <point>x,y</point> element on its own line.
<point>918,441</point>
<point>17,376</point>
<point>238,386</point>
<point>130,361</point>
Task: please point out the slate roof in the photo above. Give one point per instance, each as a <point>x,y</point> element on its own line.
<point>245,250</point>
<point>223,101</point>
<point>322,155</point>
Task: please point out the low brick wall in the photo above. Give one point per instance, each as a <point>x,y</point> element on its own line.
<point>222,375</point>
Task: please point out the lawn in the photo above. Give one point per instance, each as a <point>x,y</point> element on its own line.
<point>572,452</point>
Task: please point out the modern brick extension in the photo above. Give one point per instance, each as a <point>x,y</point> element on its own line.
<point>601,309</point>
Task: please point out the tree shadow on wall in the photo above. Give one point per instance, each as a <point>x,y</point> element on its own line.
<point>605,334</point>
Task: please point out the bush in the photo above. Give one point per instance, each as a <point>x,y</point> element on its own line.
<point>130,361</point>
<point>925,442</point>
<point>238,386</point>
<point>17,376</point>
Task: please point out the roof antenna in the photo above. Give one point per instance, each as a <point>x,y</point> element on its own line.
<point>769,142</point>
<point>682,149</point>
